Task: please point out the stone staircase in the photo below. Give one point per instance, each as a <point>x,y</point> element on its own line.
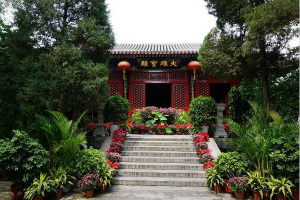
<point>160,160</point>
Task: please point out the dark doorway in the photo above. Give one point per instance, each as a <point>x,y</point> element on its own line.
<point>158,95</point>
<point>218,91</point>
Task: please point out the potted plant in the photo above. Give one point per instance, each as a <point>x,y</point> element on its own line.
<point>135,128</point>
<point>60,180</point>
<point>38,188</point>
<point>214,179</point>
<point>153,128</point>
<point>90,128</point>
<point>23,158</point>
<point>229,165</point>
<point>143,129</point>
<point>106,173</point>
<point>257,184</point>
<point>116,111</point>
<point>238,186</point>
<point>173,129</point>
<point>162,129</point>
<point>180,129</point>
<point>282,188</point>
<point>88,183</point>
<point>201,112</point>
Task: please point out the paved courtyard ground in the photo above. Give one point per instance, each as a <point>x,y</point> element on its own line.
<point>123,192</point>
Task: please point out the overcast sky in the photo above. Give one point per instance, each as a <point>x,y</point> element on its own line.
<point>160,21</point>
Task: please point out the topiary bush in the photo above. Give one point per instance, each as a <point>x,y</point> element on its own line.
<point>23,158</point>
<point>202,110</point>
<point>88,161</point>
<point>116,109</point>
<point>231,164</point>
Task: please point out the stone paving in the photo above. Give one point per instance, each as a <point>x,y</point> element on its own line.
<point>124,192</point>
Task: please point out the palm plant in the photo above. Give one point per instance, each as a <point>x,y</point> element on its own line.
<point>64,138</point>
<point>255,139</point>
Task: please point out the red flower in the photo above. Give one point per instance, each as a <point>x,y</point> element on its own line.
<point>203,151</point>
<point>118,139</point>
<point>114,149</point>
<point>200,140</point>
<point>143,127</point>
<point>209,164</point>
<point>205,135</point>
<point>91,126</point>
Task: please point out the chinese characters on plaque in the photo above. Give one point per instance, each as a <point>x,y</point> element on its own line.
<point>158,63</point>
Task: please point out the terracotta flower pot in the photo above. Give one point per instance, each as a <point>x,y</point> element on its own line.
<point>256,195</point>
<point>266,195</point>
<point>186,133</point>
<point>153,132</point>
<point>240,195</point>
<point>173,132</point>
<point>179,132</point>
<point>59,193</point>
<point>17,193</point>
<point>227,187</point>
<point>38,198</point>
<point>142,132</point>
<point>89,193</point>
<point>163,133</point>
<point>295,193</point>
<point>280,197</point>
<point>136,132</point>
<point>218,188</point>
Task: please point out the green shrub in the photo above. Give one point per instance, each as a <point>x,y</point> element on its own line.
<point>202,110</point>
<point>284,154</point>
<point>88,161</point>
<point>231,164</point>
<point>23,158</point>
<point>116,109</point>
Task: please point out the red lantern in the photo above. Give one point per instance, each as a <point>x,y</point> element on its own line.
<point>124,65</point>
<point>194,65</point>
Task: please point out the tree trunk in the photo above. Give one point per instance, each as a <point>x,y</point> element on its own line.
<point>264,72</point>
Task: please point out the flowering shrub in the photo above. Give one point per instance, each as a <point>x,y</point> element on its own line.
<point>88,182</point>
<point>114,157</point>
<point>118,139</point>
<point>113,164</point>
<point>203,151</point>
<point>117,144</point>
<point>91,126</point>
<point>203,135</point>
<point>238,184</point>
<point>143,128</point>
<point>119,133</point>
<point>114,149</point>
<point>153,127</point>
<point>161,127</point>
<point>209,165</point>
<point>181,128</point>
<point>170,113</point>
<point>200,140</point>
<point>206,157</point>
<point>201,145</point>
<point>147,113</point>
<point>135,127</point>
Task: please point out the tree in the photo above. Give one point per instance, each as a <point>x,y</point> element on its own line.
<point>60,54</point>
<point>261,30</point>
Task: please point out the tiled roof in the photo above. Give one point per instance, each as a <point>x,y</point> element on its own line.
<point>155,49</point>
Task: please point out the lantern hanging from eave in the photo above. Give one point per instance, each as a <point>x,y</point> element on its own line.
<point>194,65</point>
<point>124,65</point>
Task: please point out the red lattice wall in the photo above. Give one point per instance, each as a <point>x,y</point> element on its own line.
<point>115,81</point>
<point>137,96</point>
<point>180,96</point>
<point>202,89</point>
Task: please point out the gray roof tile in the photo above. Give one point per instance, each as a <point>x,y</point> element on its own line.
<point>148,49</point>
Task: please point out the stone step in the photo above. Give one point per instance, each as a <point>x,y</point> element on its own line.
<point>158,143</point>
<point>161,173</point>
<point>156,159</point>
<point>159,138</point>
<point>160,153</point>
<point>159,148</point>
<point>183,182</point>
<point>161,166</point>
